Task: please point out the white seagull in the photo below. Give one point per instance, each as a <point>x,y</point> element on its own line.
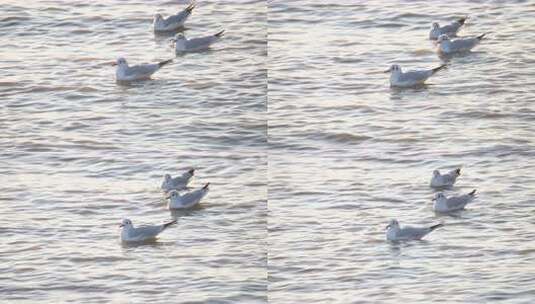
<point>177,183</point>
<point>448,46</point>
<point>449,29</point>
<point>173,22</point>
<point>188,200</point>
<point>183,44</point>
<point>444,180</point>
<point>452,203</point>
<point>407,233</point>
<point>410,78</point>
<point>141,234</point>
<point>136,72</point>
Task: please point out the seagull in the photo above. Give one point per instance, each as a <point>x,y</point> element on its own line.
<point>143,233</point>
<point>452,203</point>
<point>188,200</point>
<point>183,44</point>
<point>410,78</point>
<point>136,72</point>
<point>449,29</point>
<point>407,233</point>
<point>172,22</point>
<point>447,46</point>
<point>177,183</point>
<point>444,180</point>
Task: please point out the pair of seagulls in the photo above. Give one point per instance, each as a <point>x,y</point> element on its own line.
<point>445,45</point>
<point>125,73</point>
<point>129,233</point>
<point>442,204</point>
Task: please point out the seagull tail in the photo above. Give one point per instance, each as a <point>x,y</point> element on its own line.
<point>436,226</point>
<point>462,20</point>
<point>206,186</point>
<point>439,68</point>
<point>472,193</point>
<point>161,64</point>
<point>190,7</point>
<point>458,171</point>
<point>480,37</point>
<point>169,224</point>
<point>219,34</point>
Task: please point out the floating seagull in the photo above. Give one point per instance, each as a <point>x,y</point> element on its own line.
<point>447,46</point>
<point>136,72</point>
<point>183,44</point>
<point>395,233</point>
<point>177,183</point>
<point>143,233</point>
<point>410,78</point>
<point>188,200</point>
<point>444,180</point>
<point>449,29</point>
<point>174,22</point>
<point>452,203</point>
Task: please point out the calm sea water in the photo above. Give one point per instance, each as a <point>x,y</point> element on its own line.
<point>79,153</point>
<point>347,153</point>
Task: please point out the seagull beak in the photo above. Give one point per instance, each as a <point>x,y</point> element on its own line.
<point>387,71</point>
<point>113,63</point>
<point>121,225</point>
<point>387,226</point>
<point>434,199</point>
<point>168,197</point>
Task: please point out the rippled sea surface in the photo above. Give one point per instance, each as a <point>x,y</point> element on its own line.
<point>347,153</point>
<point>79,153</point>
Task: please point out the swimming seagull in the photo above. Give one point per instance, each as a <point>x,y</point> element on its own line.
<point>407,233</point>
<point>172,22</point>
<point>410,78</point>
<point>143,233</point>
<point>449,29</point>
<point>452,203</point>
<point>448,46</point>
<point>136,72</point>
<point>444,180</point>
<point>183,44</point>
<point>177,183</point>
<point>188,200</point>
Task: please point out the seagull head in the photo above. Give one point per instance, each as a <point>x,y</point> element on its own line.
<point>436,26</point>
<point>191,172</point>
<point>436,173</point>
<point>126,223</point>
<point>393,224</point>
<point>442,38</point>
<point>120,62</point>
<point>394,69</point>
<point>157,17</point>
<point>173,194</point>
<point>167,177</point>
<point>438,196</point>
<point>179,37</point>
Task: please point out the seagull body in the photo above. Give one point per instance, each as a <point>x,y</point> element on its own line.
<point>448,46</point>
<point>177,183</point>
<point>449,29</point>
<point>173,22</point>
<point>407,233</point>
<point>444,180</point>
<point>125,72</point>
<point>452,203</point>
<point>141,234</point>
<point>188,200</point>
<point>410,78</point>
<point>183,44</point>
